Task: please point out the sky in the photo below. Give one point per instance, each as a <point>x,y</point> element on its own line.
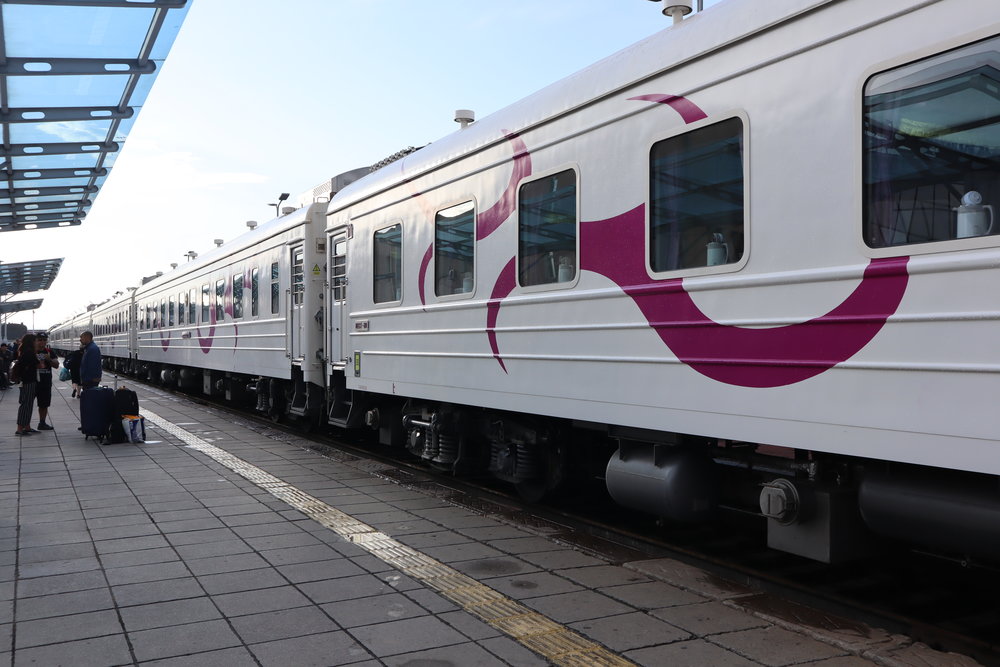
<point>259,97</point>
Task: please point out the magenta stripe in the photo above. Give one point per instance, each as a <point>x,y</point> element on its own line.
<point>423,272</point>
<point>689,111</point>
<point>501,290</point>
<point>491,219</point>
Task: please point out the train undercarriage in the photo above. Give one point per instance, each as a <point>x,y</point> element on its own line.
<point>823,507</point>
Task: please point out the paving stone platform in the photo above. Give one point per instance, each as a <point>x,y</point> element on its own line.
<point>158,554</point>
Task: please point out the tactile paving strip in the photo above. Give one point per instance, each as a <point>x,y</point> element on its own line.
<point>558,644</point>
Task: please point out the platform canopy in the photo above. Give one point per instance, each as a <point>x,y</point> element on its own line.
<point>73,76</point>
<point>33,276</point>
<point>18,306</point>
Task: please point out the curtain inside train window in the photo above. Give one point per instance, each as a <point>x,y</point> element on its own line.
<point>932,148</point>
<point>696,215</point>
<point>547,228</point>
<point>388,264</point>
<point>455,250</point>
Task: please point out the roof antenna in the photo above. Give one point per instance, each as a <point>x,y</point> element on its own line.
<point>465,117</point>
<point>677,9</point>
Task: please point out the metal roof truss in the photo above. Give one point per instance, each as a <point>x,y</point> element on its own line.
<point>33,276</point>
<point>56,141</point>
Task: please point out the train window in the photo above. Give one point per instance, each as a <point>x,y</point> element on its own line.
<point>338,260</point>
<point>696,212</point>
<point>237,296</point>
<point>387,247</point>
<point>181,307</point>
<point>298,284</point>
<point>220,298</point>
<point>932,148</point>
<point>193,307</point>
<point>455,249</point>
<point>206,303</point>
<point>170,312</point>
<point>162,322</point>
<point>255,293</point>
<point>546,230</point>
<point>275,288</point>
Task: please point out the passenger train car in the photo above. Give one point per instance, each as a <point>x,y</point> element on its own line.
<point>747,263</point>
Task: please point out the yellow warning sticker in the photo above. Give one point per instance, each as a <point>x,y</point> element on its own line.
<point>315,269</point>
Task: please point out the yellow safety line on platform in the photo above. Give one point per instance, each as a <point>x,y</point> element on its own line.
<point>555,642</point>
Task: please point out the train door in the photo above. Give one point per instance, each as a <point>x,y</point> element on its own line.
<point>296,302</point>
<point>338,297</point>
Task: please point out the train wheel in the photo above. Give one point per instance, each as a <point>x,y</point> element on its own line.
<point>534,489</point>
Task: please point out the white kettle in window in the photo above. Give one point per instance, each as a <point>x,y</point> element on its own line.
<point>973,218</point>
<point>717,250</point>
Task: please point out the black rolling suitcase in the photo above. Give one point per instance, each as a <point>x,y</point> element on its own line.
<point>97,410</point>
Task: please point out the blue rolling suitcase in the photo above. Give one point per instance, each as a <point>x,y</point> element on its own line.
<point>97,410</point>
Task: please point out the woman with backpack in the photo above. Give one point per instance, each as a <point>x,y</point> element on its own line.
<point>25,371</point>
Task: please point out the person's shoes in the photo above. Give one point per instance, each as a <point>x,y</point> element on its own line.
<point>74,394</point>
<point>42,426</point>
<point>22,432</point>
<point>31,430</point>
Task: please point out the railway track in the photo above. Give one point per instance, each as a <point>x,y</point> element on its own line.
<point>948,604</point>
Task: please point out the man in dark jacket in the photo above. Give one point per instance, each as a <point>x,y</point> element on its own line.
<point>90,366</point>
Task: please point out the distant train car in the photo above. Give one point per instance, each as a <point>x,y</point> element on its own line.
<point>744,264</point>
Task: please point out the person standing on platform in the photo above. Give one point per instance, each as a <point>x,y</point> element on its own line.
<point>73,364</point>
<point>47,360</point>
<point>27,374</point>
<point>6,356</point>
<point>90,365</point>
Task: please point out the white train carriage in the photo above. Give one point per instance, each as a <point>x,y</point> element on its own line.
<point>247,311</point>
<point>757,248</point>
<point>110,322</point>
<point>65,336</point>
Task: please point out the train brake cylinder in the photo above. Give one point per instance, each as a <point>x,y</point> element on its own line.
<point>678,483</point>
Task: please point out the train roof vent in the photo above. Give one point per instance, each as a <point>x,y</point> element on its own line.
<point>325,190</point>
<point>399,155</point>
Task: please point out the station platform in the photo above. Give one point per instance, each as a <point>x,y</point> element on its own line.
<point>222,542</point>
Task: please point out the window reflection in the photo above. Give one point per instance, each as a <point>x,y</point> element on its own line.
<point>454,250</point>
<point>932,140</point>
<point>696,198</point>
<point>547,223</point>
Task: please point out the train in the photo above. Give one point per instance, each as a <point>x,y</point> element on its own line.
<point>744,265</point>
